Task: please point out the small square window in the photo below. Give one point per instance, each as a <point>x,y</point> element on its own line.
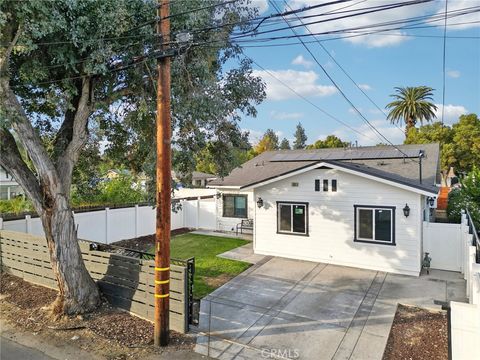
<point>325,185</point>
<point>317,185</point>
<point>334,185</point>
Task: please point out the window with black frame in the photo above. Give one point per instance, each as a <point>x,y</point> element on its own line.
<point>235,205</point>
<point>292,218</point>
<point>375,224</point>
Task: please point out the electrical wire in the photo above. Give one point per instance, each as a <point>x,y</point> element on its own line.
<point>305,98</point>
<point>444,60</point>
<point>347,74</point>
<point>339,89</point>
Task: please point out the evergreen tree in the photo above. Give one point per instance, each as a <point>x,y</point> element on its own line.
<point>285,144</point>
<point>268,142</point>
<point>300,137</point>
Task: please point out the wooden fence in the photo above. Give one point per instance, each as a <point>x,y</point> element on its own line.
<point>127,283</point>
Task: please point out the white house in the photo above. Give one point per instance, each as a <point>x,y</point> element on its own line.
<point>361,207</point>
<point>9,188</point>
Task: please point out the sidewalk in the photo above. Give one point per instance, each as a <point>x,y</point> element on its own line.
<point>16,344</point>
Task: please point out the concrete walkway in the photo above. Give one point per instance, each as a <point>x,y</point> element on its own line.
<point>281,308</point>
<point>243,253</point>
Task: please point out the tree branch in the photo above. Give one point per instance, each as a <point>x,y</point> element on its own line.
<point>12,161</point>
<point>79,135</point>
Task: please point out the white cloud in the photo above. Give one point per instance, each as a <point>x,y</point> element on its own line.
<point>365,87</point>
<point>261,5</point>
<point>453,74</point>
<point>467,21</point>
<point>280,115</point>
<point>254,136</point>
<point>303,82</point>
<point>374,40</point>
<point>300,60</point>
<point>452,113</point>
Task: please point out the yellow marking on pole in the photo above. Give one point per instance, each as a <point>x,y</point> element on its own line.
<point>162,269</point>
<point>162,281</point>
<point>162,296</point>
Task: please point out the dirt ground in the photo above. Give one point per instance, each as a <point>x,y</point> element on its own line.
<point>145,243</point>
<point>108,332</point>
<point>418,334</point>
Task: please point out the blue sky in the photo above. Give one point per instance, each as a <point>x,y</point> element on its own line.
<point>377,62</point>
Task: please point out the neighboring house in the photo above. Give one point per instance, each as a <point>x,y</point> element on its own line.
<point>340,206</point>
<point>9,188</point>
<point>199,179</point>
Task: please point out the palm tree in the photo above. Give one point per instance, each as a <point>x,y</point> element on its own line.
<point>412,104</point>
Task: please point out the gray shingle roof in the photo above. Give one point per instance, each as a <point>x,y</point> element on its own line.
<point>380,161</point>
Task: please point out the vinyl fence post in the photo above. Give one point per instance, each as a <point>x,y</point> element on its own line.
<point>107,215</point>
<point>28,224</point>
<point>136,221</point>
<point>198,212</point>
<point>1,223</point>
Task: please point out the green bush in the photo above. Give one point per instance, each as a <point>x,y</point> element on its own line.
<point>466,197</point>
<point>15,206</point>
<point>120,190</point>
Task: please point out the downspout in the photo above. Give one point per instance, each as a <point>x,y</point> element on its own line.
<point>420,156</point>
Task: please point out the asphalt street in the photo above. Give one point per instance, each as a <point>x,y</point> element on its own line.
<point>10,350</point>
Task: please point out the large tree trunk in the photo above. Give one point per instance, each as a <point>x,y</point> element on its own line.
<point>410,124</point>
<point>78,293</point>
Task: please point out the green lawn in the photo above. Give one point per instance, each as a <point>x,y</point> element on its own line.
<point>210,271</point>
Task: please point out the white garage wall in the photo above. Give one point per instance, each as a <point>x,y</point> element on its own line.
<point>110,225</point>
<point>331,222</point>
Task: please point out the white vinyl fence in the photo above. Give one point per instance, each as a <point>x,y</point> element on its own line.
<point>444,244</point>
<point>110,225</point>
<point>465,318</point>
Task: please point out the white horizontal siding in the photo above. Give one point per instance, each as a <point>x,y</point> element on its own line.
<point>229,223</point>
<point>331,222</point>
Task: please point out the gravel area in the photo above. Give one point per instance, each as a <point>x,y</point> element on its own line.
<point>108,331</point>
<point>418,334</point>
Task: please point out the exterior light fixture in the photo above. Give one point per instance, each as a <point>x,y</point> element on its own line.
<point>218,195</point>
<point>431,201</point>
<point>406,210</point>
<point>260,202</point>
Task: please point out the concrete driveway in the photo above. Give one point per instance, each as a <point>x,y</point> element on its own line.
<point>291,309</point>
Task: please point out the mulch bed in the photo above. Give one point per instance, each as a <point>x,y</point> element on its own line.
<point>417,334</point>
<point>107,331</point>
<point>145,243</point>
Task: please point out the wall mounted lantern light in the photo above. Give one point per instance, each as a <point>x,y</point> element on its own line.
<point>218,195</point>
<point>431,201</point>
<point>260,202</point>
<point>406,210</point>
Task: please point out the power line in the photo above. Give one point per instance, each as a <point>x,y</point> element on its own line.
<point>376,25</point>
<point>338,87</point>
<point>384,8</point>
<point>306,99</point>
<point>345,72</point>
<point>444,59</point>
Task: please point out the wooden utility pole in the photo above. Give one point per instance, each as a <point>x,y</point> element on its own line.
<point>163,177</point>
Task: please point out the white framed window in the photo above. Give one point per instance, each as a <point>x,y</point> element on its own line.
<point>292,218</point>
<point>374,224</point>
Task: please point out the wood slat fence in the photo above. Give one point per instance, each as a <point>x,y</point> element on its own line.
<point>127,283</point>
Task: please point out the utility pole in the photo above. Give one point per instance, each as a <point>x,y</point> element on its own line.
<point>163,182</point>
